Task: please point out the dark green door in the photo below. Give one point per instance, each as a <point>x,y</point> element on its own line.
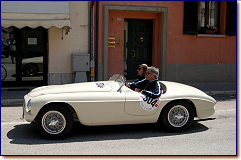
<point>139,45</point>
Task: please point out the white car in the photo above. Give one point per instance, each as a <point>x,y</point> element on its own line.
<point>54,108</point>
<point>31,66</point>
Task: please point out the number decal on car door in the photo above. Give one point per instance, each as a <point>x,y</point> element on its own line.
<point>148,103</point>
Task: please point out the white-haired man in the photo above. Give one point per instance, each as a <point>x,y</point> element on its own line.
<point>153,88</point>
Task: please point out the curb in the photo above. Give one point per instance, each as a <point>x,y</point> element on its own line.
<point>12,102</point>
<point>212,93</point>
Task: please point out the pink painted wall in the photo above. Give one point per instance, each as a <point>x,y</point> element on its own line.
<point>181,48</point>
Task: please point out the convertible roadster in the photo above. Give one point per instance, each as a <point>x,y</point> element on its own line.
<point>55,108</point>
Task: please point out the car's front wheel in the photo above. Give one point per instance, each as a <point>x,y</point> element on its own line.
<point>177,116</point>
<point>55,122</point>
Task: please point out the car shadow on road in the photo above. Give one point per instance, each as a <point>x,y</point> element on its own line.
<point>29,134</point>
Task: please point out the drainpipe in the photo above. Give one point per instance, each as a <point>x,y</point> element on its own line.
<point>97,39</point>
<point>89,42</point>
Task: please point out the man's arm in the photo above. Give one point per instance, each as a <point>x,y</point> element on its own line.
<point>155,93</point>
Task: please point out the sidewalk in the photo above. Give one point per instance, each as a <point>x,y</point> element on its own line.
<point>13,96</point>
<point>216,88</point>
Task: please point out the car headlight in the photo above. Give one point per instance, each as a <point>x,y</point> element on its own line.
<point>28,106</point>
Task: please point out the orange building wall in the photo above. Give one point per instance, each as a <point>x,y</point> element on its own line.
<point>181,48</point>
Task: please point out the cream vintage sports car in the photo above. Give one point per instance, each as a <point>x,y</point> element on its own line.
<point>54,108</point>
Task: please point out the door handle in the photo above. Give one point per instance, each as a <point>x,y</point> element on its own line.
<point>133,53</point>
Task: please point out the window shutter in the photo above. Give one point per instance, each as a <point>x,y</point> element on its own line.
<point>190,17</point>
<point>231,18</point>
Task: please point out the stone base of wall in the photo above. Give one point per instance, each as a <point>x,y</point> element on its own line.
<point>193,73</point>
<point>60,78</point>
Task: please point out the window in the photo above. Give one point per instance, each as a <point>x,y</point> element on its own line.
<point>208,16</point>
<point>200,16</point>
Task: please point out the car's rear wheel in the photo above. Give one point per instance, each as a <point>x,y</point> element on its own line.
<point>30,69</point>
<point>55,122</point>
<point>177,116</point>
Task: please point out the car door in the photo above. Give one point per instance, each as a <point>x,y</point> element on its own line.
<point>137,104</point>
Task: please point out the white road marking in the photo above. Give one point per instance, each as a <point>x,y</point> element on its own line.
<point>12,123</point>
<point>225,110</point>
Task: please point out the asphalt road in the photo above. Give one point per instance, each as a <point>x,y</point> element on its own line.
<point>213,136</point>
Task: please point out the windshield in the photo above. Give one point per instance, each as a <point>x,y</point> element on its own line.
<point>118,78</point>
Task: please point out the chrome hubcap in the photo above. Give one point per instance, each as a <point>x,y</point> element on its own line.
<point>178,116</point>
<point>53,122</point>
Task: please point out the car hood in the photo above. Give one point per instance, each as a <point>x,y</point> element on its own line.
<point>178,90</point>
<point>104,86</point>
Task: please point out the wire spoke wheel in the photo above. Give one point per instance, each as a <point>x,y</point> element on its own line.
<point>53,122</point>
<point>178,116</point>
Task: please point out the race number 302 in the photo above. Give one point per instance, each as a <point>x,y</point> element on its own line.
<point>148,103</point>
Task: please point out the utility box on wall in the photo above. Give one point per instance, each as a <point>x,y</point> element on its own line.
<point>80,65</point>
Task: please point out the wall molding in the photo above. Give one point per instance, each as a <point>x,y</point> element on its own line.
<point>162,10</point>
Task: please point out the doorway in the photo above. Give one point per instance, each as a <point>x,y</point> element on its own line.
<point>27,63</point>
<point>138,45</point>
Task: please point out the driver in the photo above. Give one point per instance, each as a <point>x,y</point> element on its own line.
<point>141,81</point>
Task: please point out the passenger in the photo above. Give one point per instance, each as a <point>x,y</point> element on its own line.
<point>153,88</point>
<point>141,81</point>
